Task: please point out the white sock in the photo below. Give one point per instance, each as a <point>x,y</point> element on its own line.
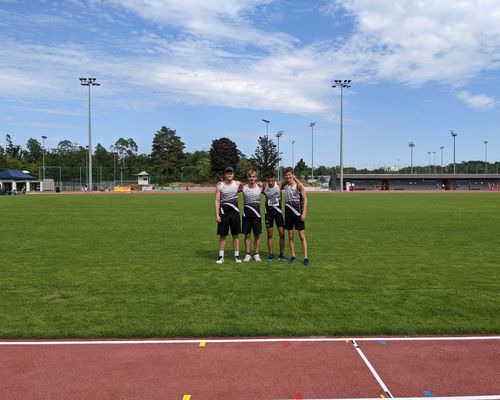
<point>236,253</point>
<point>221,253</point>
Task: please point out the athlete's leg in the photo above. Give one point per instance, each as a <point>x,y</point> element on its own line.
<point>282,239</point>
<point>247,243</point>
<point>303,242</point>
<point>222,242</point>
<point>270,240</point>
<point>290,242</point>
<point>236,243</point>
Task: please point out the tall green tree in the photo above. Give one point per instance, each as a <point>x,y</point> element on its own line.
<point>301,168</point>
<point>168,151</point>
<point>223,153</point>
<point>13,150</point>
<point>266,156</point>
<point>34,152</point>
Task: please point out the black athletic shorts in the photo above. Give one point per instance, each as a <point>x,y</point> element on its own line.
<point>293,221</point>
<point>274,217</point>
<point>252,224</point>
<point>228,221</point>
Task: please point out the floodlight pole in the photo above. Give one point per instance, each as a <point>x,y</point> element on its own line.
<point>312,125</point>
<point>454,134</point>
<point>43,160</point>
<point>411,145</point>
<point>434,161</point>
<point>89,82</point>
<point>267,127</point>
<point>429,153</point>
<point>485,156</point>
<point>278,135</point>
<point>442,148</point>
<point>345,83</point>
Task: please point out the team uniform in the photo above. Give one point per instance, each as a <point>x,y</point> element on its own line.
<point>251,210</point>
<point>293,208</point>
<point>229,211</point>
<point>274,213</point>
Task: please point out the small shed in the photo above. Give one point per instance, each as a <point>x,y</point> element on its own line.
<point>143,178</point>
<point>13,180</point>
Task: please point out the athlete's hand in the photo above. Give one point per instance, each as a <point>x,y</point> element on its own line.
<point>302,217</point>
<point>218,218</point>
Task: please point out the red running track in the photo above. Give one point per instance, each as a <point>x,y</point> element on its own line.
<point>298,368</point>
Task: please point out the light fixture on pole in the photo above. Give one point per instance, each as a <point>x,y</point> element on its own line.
<point>434,161</point>
<point>89,82</point>
<point>441,148</point>
<point>293,154</point>
<point>454,134</point>
<point>43,160</point>
<point>485,156</point>
<point>343,84</point>
<point>267,127</point>
<point>411,145</point>
<point>278,135</point>
<point>429,153</point>
<point>312,125</point>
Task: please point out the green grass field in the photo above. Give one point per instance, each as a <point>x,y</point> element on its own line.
<point>143,266</point>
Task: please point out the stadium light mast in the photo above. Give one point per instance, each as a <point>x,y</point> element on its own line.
<point>267,127</point>
<point>411,145</point>
<point>441,148</point>
<point>293,154</point>
<point>454,134</point>
<point>343,84</point>
<point>90,82</point>
<point>485,156</point>
<point>312,125</point>
<point>278,135</point>
<point>43,159</point>
<point>434,161</point>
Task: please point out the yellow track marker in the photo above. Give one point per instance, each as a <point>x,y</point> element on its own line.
<point>186,397</point>
<point>382,396</point>
<point>202,344</point>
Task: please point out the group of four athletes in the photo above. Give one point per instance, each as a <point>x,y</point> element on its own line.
<point>227,214</point>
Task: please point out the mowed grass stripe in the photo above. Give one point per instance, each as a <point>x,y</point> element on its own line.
<point>143,266</point>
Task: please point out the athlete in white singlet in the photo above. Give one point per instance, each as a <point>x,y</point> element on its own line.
<point>295,212</point>
<point>227,213</point>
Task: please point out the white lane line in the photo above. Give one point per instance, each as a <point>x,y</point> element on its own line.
<point>386,390</point>
<point>487,397</point>
<point>63,342</point>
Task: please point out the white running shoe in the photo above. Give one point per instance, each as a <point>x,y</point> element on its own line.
<point>237,259</point>
<point>257,258</point>
<point>247,258</point>
<point>220,260</point>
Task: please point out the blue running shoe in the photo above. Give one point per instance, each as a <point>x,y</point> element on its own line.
<point>270,259</point>
<point>292,260</point>
<point>306,262</point>
<point>283,259</point>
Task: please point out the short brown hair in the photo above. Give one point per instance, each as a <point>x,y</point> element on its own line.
<point>251,172</point>
<point>288,169</point>
<point>270,174</point>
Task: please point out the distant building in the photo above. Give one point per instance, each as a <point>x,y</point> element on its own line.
<point>421,181</point>
<point>13,180</point>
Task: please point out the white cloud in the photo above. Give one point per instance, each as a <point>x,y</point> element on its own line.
<point>217,54</point>
<point>420,41</point>
<point>478,101</point>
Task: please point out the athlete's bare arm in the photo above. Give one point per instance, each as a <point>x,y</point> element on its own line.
<point>303,193</point>
<point>217,202</point>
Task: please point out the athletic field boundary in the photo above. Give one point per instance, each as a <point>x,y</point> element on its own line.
<point>64,342</point>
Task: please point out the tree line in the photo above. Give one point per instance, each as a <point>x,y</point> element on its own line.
<point>169,162</point>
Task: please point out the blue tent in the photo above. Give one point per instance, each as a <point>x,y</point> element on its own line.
<point>14,175</point>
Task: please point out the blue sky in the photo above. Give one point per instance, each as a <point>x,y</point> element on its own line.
<point>216,68</point>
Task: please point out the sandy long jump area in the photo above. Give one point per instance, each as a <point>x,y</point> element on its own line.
<point>260,368</point>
